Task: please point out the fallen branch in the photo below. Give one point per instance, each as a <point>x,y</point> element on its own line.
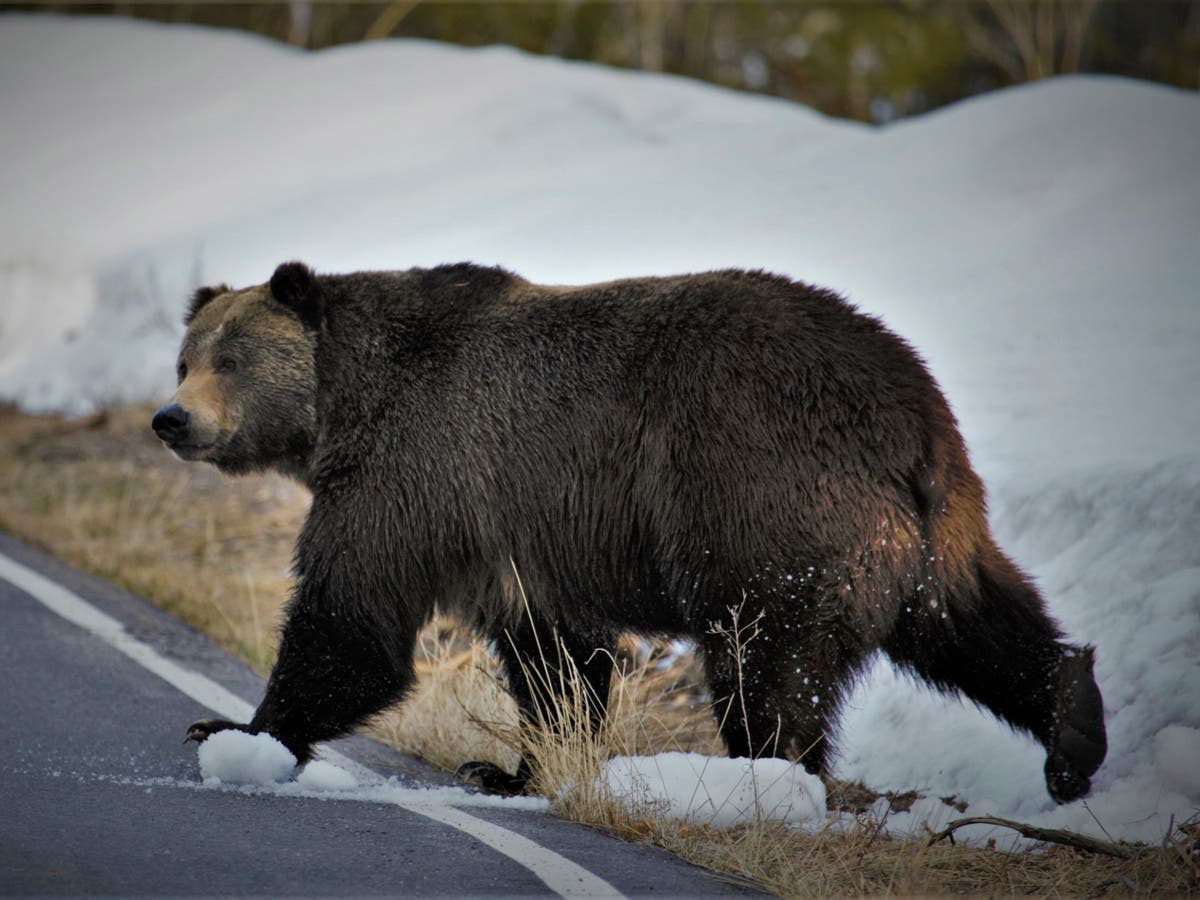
<point>1051,835</point>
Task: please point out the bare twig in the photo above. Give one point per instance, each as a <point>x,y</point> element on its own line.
<point>1050,835</point>
<point>389,19</point>
<point>1096,819</point>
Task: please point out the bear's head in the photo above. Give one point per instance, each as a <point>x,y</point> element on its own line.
<point>247,376</point>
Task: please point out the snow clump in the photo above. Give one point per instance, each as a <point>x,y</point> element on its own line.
<point>320,775</point>
<point>717,792</point>
<point>235,757</point>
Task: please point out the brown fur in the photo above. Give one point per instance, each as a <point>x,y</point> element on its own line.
<point>272,351</point>
<point>647,455</point>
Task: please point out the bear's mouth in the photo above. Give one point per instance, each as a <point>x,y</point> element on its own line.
<point>186,451</point>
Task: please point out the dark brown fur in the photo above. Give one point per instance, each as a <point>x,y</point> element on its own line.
<point>649,454</point>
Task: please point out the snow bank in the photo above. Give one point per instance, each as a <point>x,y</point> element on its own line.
<point>1038,245</point>
<point>159,157</point>
<point>717,792</point>
<point>1176,750</point>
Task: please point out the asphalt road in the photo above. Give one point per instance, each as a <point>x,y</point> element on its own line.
<point>99,796</point>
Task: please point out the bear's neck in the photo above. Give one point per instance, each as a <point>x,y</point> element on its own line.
<point>297,460</point>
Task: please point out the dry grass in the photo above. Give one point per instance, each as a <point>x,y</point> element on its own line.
<point>861,860</point>
<point>460,711</point>
<point>214,552</point>
<point>102,495</point>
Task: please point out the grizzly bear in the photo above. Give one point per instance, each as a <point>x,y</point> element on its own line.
<point>647,455</point>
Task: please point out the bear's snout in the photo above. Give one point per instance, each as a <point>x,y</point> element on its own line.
<point>171,424</point>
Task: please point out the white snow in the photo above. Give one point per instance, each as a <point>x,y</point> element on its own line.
<point>1041,246</point>
<point>718,792</point>
<point>234,757</point>
<point>260,763</point>
<point>237,758</point>
<point>1176,750</point>
<point>320,775</point>
<point>701,789</point>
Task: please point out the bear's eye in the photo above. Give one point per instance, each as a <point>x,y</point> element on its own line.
<point>226,365</point>
<point>181,371</point>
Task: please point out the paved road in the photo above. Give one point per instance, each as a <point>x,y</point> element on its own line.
<point>98,795</point>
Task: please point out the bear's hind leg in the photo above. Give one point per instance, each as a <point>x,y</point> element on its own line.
<point>346,649</point>
<point>545,664</point>
<point>998,646</point>
<point>1080,742</point>
<point>780,696</point>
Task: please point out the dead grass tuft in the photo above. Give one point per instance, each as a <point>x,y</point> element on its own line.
<point>459,711</point>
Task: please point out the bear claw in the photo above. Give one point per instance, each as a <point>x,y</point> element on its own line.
<point>203,729</point>
<point>491,778</point>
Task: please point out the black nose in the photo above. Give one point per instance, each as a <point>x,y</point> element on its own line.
<point>171,423</point>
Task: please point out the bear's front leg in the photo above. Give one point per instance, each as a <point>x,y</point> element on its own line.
<point>346,649</point>
<point>336,668</point>
<point>333,673</point>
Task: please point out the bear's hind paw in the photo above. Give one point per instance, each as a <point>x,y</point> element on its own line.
<point>491,778</point>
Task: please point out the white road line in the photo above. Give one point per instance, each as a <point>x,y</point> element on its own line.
<point>561,875</point>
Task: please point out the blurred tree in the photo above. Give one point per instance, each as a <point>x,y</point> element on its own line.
<point>389,19</point>
<point>300,17</point>
<point>1154,40</point>
<point>1029,39</point>
<point>873,61</point>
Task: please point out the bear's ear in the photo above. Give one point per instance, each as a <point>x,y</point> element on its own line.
<point>295,286</point>
<point>200,299</point>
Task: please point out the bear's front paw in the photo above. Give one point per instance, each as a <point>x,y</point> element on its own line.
<point>205,728</point>
<point>492,778</point>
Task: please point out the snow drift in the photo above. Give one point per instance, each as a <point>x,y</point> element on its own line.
<point>1038,245</point>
